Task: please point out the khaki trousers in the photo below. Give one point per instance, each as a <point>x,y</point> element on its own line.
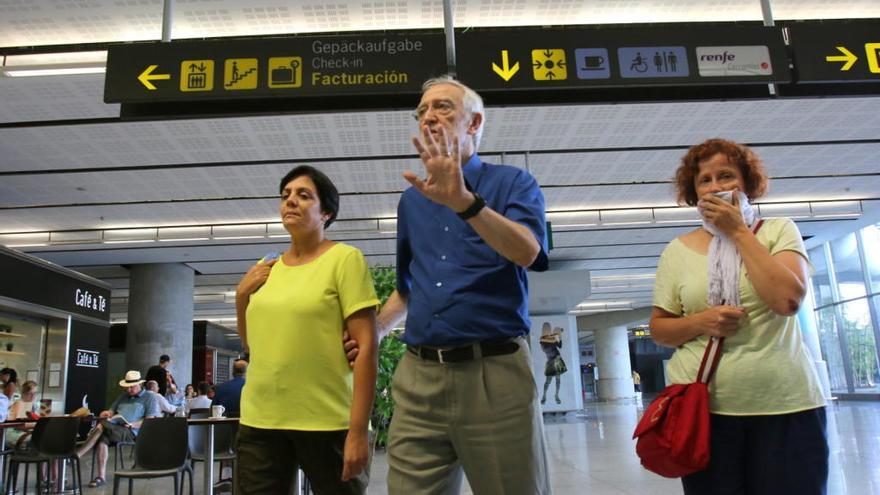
<point>479,417</point>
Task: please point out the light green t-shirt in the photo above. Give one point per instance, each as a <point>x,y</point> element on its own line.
<point>765,367</point>
<point>298,377</point>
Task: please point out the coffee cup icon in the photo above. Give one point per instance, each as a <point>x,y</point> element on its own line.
<point>594,62</point>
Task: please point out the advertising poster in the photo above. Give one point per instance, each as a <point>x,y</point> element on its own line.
<point>556,362</point>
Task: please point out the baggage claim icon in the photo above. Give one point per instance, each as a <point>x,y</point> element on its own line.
<point>285,72</point>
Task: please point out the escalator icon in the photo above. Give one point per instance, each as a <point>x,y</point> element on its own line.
<point>285,72</point>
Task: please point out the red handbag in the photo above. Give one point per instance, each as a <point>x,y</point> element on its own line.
<point>673,435</point>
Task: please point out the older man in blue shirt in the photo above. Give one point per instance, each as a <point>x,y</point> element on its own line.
<point>466,399</point>
<point>121,422</point>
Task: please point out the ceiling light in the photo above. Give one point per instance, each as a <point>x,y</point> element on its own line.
<point>250,231</point>
<point>54,64</point>
<point>387,225</point>
<point>131,241</point>
<point>53,71</point>
<point>25,240</point>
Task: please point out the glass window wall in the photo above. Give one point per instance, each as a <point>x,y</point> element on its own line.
<point>821,280</point>
<point>846,289</point>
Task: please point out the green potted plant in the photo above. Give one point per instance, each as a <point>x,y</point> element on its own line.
<point>391,349</point>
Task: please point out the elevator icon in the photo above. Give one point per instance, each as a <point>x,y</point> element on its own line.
<point>197,75</point>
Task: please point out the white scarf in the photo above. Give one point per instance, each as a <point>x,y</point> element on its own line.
<point>724,259</point>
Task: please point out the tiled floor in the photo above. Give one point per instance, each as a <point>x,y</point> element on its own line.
<point>592,453</point>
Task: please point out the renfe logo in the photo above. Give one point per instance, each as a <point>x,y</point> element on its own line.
<point>734,61</point>
<point>87,359</point>
<point>718,57</point>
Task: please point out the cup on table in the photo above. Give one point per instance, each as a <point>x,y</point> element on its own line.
<point>217,411</point>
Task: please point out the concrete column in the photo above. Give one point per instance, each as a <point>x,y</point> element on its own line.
<point>810,332</point>
<point>612,359</point>
<point>160,314</point>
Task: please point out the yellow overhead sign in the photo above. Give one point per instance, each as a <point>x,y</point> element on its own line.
<point>506,71</point>
<point>849,58</point>
<point>548,64</point>
<point>197,75</point>
<point>285,72</point>
<point>240,73</point>
<point>147,77</point>
<point>871,51</point>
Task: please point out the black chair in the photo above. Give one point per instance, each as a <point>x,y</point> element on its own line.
<point>118,459</point>
<point>224,441</point>
<point>159,451</point>
<point>86,426</point>
<point>53,438</point>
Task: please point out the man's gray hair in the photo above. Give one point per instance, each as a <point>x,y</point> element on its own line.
<point>473,103</point>
<point>151,383</point>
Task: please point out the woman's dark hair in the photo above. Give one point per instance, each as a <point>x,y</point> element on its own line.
<point>327,193</point>
<point>203,388</point>
<point>13,375</point>
<point>750,166</point>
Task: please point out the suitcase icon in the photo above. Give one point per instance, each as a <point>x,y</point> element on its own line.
<point>283,75</point>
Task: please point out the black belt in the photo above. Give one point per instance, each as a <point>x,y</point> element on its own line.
<point>465,352</point>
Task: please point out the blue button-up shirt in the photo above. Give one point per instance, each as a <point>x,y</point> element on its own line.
<point>136,407</point>
<point>458,289</point>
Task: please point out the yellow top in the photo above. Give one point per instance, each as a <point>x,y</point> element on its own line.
<point>298,377</point>
<point>765,367</point>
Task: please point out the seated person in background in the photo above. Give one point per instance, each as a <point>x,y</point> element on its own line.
<point>4,407</point>
<point>121,422</point>
<point>26,403</point>
<point>19,409</point>
<point>10,390</point>
<point>173,394</point>
<point>189,392</point>
<point>159,372</point>
<point>8,375</point>
<point>228,394</point>
<point>200,401</point>
<point>9,383</point>
<point>164,405</point>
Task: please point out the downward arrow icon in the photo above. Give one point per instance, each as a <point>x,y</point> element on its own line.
<point>505,71</point>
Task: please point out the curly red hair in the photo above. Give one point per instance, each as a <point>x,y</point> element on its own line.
<point>750,166</point>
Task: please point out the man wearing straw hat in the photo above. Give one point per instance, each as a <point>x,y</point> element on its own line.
<point>121,422</point>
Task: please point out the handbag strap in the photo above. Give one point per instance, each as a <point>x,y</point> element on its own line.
<point>712,354</point>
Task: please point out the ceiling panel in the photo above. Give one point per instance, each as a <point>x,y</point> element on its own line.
<point>385,205</point>
<point>609,252</point>
<point>369,176</point>
<point>34,99</point>
<point>189,213</point>
<point>509,129</point>
<point>41,22</point>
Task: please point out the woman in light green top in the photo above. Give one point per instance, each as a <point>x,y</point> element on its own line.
<point>725,280</point>
<point>302,404</point>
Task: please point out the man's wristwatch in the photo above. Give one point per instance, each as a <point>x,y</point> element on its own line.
<point>474,208</point>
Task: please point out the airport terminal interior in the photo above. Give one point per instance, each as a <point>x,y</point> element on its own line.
<point>141,144</point>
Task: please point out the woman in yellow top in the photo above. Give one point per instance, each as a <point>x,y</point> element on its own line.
<point>302,404</point>
<point>724,280</point>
